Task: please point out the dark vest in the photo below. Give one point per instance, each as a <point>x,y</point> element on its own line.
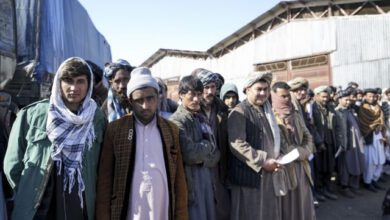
<point>239,173</point>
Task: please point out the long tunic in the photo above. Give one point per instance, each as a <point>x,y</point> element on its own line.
<point>323,135</point>
<point>199,157</point>
<point>149,187</point>
<point>298,203</point>
<point>247,202</point>
<point>351,160</point>
<point>221,194</point>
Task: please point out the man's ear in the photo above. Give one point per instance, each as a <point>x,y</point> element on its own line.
<point>181,96</point>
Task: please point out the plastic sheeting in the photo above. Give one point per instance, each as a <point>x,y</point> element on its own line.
<point>7,33</point>
<point>51,31</point>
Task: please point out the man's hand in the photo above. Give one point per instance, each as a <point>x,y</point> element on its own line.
<point>271,165</point>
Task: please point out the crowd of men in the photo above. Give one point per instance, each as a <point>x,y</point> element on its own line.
<point>140,155</point>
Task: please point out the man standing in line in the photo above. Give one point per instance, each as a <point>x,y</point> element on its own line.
<point>200,153</point>
<point>349,144</point>
<point>294,135</point>
<point>141,173</point>
<point>255,144</point>
<point>215,111</point>
<point>53,149</point>
<point>371,123</point>
<point>299,87</point>
<point>116,77</point>
<point>323,120</point>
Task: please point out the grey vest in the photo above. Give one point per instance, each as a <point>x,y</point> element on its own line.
<point>239,173</point>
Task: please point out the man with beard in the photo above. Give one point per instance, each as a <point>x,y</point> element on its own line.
<point>294,135</point>
<point>141,173</point>
<point>254,146</point>
<point>350,156</point>
<point>323,120</point>
<point>216,111</point>
<point>116,77</point>
<point>371,123</point>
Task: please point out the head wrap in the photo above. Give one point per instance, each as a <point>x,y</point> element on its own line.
<point>112,68</point>
<point>370,90</point>
<point>115,109</point>
<point>320,89</point>
<point>228,87</point>
<point>351,84</point>
<point>70,133</point>
<point>221,80</point>
<point>163,100</point>
<point>255,77</point>
<point>344,93</point>
<point>298,82</point>
<point>310,93</point>
<point>207,77</point>
<point>141,77</point>
<point>331,89</point>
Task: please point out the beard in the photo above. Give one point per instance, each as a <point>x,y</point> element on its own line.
<point>208,100</point>
<point>122,98</point>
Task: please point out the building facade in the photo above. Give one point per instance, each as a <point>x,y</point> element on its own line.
<point>327,42</point>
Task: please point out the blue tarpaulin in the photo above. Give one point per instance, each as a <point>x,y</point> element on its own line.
<point>50,31</point>
<point>7,25</point>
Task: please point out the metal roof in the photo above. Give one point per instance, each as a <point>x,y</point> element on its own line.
<point>283,12</point>
<point>159,54</point>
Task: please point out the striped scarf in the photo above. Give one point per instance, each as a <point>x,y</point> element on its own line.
<point>69,134</point>
<point>115,109</point>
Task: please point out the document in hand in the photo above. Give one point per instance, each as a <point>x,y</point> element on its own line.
<point>288,158</point>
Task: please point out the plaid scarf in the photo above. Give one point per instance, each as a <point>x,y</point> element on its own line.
<point>115,109</point>
<point>70,133</point>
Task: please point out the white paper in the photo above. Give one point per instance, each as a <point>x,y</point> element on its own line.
<point>290,157</point>
<point>311,156</point>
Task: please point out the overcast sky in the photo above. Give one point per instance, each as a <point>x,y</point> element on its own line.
<point>137,29</point>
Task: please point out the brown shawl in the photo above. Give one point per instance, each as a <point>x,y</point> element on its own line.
<point>369,118</point>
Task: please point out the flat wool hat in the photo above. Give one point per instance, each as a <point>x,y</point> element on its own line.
<point>298,82</point>
<point>320,89</point>
<point>141,77</point>
<point>255,77</point>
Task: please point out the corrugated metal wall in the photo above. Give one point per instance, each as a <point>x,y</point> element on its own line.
<point>363,51</point>
<point>359,49</point>
<point>171,66</point>
<point>299,38</point>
